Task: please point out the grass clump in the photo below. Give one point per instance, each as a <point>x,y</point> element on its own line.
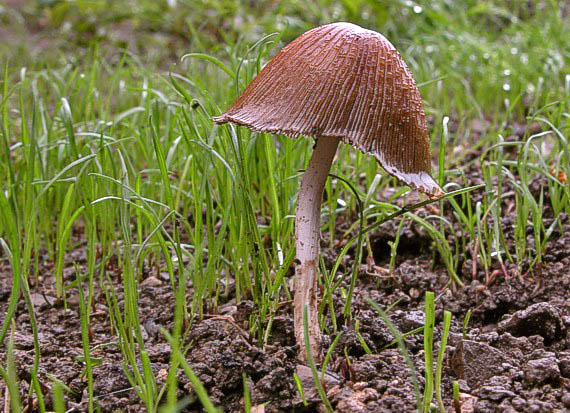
<point>107,149</point>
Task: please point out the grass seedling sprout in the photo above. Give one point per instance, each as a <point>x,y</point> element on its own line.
<point>312,366</point>
<point>456,401</point>
<point>439,364</point>
<point>58,397</point>
<point>246,394</point>
<point>84,315</point>
<point>429,324</point>
<point>329,353</point>
<point>299,387</point>
<point>10,377</point>
<point>465,324</point>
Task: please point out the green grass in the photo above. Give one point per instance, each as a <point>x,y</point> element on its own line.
<point>120,145</point>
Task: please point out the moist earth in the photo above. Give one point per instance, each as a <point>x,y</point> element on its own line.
<point>513,355</point>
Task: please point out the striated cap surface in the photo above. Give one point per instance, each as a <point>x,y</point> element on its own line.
<point>340,80</point>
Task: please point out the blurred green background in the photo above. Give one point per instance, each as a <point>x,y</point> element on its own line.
<point>504,45</point>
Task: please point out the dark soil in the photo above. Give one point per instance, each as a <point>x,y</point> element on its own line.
<point>515,356</point>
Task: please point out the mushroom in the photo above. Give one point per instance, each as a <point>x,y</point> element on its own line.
<point>338,82</point>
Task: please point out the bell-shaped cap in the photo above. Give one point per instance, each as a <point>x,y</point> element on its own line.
<point>340,80</point>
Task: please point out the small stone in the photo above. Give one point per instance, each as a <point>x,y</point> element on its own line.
<point>496,389</point>
<point>494,393</point>
<point>537,406</point>
<point>308,383</point>
<point>361,385</point>
<point>151,281</point>
<point>519,403</point>
<point>333,391</point>
<point>467,403</point>
<point>414,292</point>
<point>23,341</point>
<point>565,399</point>
<point>506,407</point>
<point>227,309</point>
<point>152,328</point>
<point>463,386</point>
<point>538,319</point>
<point>564,364</point>
<point>41,300</point>
<point>162,375</point>
<point>368,395</point>
<point>351,404</point>
<point>542,370</point>
<point>408,320</point>
<point>476,362</point>
<point>507,366</point>
<point>516,346</point>
<point>102,308</point>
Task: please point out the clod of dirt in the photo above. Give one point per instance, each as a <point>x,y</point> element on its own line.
<point>566,399</point>
<point>23,341</point>
<point>221,351</point>
<point>42,300</point>
<point>309,389</point>
<point>361,400</point>
<point>496,389</point>
<point>476,362</point>
<point>465,404</point>
<point>388,374</point>
<point>151,281</point>
<point>564,364</point>
<point>542,370</point>
<point>538,319</point>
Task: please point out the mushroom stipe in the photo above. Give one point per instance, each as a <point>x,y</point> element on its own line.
<point>337,82</point>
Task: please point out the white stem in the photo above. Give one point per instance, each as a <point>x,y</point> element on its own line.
<point>308,232</point>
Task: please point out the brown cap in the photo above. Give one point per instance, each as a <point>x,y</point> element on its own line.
<point>340,80</point>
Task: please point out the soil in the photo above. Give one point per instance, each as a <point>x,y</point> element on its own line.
<point>513,357</point>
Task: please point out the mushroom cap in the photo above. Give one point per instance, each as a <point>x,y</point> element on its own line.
<point>340,80</point>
